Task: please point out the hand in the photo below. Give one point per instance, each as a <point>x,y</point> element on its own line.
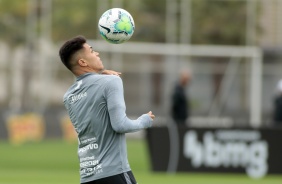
<point>152,116</point>
<point>110,72</point>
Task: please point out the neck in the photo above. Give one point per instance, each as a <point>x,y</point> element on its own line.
<point>81,71</point>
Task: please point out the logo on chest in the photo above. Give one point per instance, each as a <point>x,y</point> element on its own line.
<point>74,98</point>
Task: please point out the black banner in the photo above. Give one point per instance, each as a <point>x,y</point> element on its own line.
<point>255,152</point>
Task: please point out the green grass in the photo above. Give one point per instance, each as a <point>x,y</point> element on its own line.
<point>55,162</point>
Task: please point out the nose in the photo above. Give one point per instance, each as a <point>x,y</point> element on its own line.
<point>97,53</point>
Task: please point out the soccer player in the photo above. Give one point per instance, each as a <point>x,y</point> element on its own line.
<point>96,107</point>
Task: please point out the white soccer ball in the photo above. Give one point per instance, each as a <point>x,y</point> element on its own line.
<point>116,25</point>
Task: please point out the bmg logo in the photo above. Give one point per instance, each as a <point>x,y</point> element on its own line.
<point>229,149</point>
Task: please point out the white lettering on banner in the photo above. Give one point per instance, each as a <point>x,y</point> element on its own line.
<point>88,147</point>
<point>249,135</point>
<point>215,151</point>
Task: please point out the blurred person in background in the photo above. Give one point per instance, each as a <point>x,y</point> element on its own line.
<point>277,115</point>
<point>180,105</point>
<point>96,107</point>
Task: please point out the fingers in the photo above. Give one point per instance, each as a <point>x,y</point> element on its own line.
<point>152,116</point>
<point>111,72</point>
<point>115,73</point>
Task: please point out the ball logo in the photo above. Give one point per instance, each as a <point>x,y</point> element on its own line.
<point>124,25</point>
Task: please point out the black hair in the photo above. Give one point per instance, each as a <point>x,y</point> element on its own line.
<point>69,48</point>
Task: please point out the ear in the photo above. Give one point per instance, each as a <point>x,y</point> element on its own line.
<point>82,62</point>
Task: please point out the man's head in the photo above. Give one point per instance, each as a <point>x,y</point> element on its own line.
<point>279,87</point>
<point>79,57</point>
<point>185,77</point>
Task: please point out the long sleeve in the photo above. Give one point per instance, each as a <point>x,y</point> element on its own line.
<point>96,107</point>
<point>117,110</point>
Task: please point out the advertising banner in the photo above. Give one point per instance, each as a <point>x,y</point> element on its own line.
<point>256,152</point>
<point>25,127</point>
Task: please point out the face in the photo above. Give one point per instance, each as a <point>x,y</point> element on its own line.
<point>184,78</point>
<point>91,58</point>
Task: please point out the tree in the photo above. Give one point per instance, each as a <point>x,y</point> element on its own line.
<point>72,17</point>
<point>13,21</point>
<point>219,22</point>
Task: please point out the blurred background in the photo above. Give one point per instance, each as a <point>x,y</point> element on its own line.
<point>230,48</point>
<point>209,38</point>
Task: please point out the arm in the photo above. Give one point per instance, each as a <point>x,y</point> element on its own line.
<point>116,107</point>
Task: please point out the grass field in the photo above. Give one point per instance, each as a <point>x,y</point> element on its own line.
<point>55,162</point>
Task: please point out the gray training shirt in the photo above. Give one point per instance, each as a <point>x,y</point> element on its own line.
<point>96,107</point>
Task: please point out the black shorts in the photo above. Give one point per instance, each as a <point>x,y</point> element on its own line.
<point>123,178</point>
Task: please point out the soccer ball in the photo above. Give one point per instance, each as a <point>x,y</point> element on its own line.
<point>116,25</point>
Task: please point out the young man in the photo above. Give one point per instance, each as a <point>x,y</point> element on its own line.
<point>180,108</point>
<point>277,104</point>
<point>96,107</point>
